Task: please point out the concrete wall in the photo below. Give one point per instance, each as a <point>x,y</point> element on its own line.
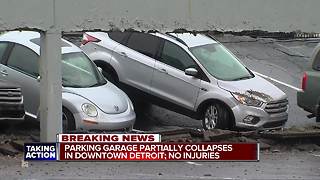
<point>163,15</point>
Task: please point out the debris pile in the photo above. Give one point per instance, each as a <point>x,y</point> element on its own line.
<point>301,139</point>
<point>292,139</point>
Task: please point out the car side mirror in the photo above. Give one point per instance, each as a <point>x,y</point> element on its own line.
<point>191,72</point>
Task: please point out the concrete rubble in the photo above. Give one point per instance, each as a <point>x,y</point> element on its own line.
<point>300,139</point>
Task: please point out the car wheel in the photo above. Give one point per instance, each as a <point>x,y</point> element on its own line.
<point>68,122</point>
<point>215,116</point>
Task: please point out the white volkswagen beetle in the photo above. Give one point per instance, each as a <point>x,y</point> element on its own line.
<point>89,101</point>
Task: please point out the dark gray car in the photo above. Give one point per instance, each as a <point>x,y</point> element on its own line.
<point>309,97</point>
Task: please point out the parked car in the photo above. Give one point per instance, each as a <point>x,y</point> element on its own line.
<point>309,97</point>
<point>89,101</point>
<point>11,101</point>
<point>192,74</point>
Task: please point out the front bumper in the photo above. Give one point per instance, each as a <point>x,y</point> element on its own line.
<point>105,121</point>
<point>266,120</point>
<point>14,112</point>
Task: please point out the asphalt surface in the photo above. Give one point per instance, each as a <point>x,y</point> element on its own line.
<point>283,60</point>
<point>279,165</point>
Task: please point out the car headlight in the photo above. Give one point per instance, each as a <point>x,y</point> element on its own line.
<point>89,110</point>
<point>247,100</point>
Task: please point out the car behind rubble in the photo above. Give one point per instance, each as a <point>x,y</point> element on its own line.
<point>192,74</point>
<point>11,102</point>
<point>309,97</point>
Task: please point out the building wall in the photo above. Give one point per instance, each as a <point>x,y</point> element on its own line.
<point>163,15</point>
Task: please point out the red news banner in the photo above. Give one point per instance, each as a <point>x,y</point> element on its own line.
<point>147,147</point>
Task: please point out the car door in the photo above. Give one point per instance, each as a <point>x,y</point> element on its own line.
<point>21,67</point>
<point>136,59</point>
<point>169,79</point>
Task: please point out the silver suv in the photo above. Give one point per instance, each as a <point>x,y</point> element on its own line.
<point>192,74</point>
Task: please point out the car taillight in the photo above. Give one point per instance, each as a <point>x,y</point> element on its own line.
<point>304,81</point>
<point>87,38</point>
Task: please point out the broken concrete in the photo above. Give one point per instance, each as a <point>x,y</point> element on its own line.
<point>7,149</point>
<point>292,139</point>
<point>18,144</point>
<point>264,146</point>
<point>292,133</point>
<point>308,147</point>
<point>218,135</point>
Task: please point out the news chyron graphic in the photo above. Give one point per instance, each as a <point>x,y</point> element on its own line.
<point>40,151</point>
<point>136,147</point>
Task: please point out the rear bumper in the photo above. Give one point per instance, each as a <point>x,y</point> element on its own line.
<point>301,101</point>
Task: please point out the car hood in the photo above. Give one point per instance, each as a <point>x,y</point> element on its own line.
<point>6,84</point>
<point>257,87</point>
<point>108,98</point>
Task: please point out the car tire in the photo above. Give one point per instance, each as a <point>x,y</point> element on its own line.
<point>68,122</point>
<point>215,116</point>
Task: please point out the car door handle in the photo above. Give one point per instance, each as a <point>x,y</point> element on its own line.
<point>4,73</point>
<point>163,70</point>
<point>123,54</point>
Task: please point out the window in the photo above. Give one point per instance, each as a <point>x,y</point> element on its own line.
<point>3,47</point>
<point>24,60</point>
<point>146,44</point>
<point>175,56</point>
<point>220,63</point>
<point>316,62</point>
<point>118,36</point>
<point>79,72</point>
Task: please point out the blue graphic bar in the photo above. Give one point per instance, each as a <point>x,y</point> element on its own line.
<point>40,151</point>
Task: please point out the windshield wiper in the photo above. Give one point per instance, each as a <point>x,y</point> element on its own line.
<point>73,86</point>
<point>95,84</point>
<point>242,78</point>
<point>99,83</point>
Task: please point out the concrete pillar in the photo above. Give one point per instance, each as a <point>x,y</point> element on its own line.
<point>50,86</point>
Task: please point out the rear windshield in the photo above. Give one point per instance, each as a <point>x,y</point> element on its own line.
<point>118,36</point>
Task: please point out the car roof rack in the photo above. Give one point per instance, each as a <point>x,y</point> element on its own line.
<point>176,38</point>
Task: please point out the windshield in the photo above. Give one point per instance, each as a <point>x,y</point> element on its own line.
<point>220,63</point>
<point>79,72</point>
